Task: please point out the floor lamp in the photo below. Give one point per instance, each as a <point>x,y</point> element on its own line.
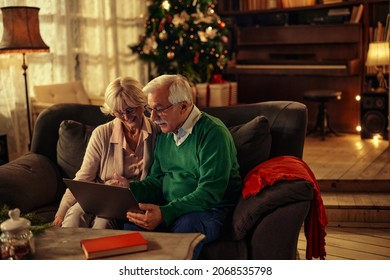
<point>21,35</point>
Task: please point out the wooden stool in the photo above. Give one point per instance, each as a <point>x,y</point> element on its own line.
<point>322,96</point>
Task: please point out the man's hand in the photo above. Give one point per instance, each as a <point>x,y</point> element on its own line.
<point>58,221</point>
<point>118,180</point>
<point>150,220</point>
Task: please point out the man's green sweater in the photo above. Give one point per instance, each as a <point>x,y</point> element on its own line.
<point>198,175</point>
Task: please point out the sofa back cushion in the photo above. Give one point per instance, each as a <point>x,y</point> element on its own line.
<point>253,142</point>
<point>287,121</point>
<point>72,143</point>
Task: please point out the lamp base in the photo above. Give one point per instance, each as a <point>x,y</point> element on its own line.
<point>382,83</point>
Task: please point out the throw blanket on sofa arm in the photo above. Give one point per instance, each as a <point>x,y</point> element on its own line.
<point>292,168</point>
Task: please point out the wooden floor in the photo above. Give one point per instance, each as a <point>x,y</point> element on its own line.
<point>348,157</point>
<point>353,174</point>
<point>353,242</point>
<point>354,179</point>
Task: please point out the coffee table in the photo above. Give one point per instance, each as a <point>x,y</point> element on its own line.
<point>64,244</point>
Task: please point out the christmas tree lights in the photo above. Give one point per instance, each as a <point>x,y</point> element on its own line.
<point>185,37</point>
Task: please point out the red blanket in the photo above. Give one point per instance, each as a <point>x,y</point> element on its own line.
<point>292,168</point>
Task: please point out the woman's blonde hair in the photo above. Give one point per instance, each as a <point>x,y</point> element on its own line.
<point>122,89</point>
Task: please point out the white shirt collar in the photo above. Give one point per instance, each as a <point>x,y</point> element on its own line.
<point>188,125</point>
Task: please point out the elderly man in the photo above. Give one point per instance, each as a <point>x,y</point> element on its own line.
<point>194,181</point>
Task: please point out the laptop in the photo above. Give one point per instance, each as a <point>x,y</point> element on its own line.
<point>103,200</point>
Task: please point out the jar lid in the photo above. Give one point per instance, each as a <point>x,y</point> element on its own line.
<point>15,223</point>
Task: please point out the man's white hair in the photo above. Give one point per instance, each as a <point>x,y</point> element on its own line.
<point>178,87</point>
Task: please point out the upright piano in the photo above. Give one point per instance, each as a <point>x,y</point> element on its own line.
<point>281,62</point>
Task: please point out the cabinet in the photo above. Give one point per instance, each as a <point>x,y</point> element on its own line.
<point>281,52</point>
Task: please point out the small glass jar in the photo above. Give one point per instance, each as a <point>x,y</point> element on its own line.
<point>17,240</point>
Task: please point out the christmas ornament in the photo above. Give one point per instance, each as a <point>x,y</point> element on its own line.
<point>170,55</point>
<point>150,45</point>
<point>163,35</point>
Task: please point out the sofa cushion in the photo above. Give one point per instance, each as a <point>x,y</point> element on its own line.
<point>253,143</point>
<point>30,182</point>
<point>72,143</point>
<point>248,211</point>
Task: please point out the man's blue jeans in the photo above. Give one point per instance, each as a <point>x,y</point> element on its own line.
<point>210,223</point>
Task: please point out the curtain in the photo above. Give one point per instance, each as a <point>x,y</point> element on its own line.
<point>88,41</point>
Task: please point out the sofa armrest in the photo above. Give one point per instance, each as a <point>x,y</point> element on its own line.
<point>276,236</point>
<point>251,211</point>
<point>30,182</point>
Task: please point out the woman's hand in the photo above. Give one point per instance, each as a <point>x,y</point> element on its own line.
<point>118,180</point>
<point>58,221</point>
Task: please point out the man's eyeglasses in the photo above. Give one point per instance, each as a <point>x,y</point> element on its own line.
<point>158,111</point>
<point>127,112</point>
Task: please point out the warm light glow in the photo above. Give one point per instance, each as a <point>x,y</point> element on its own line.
<point>358,97</point>
<point>358,128</point>
<point>378,54</point>
<point>376,140</point>
<point>166,5</point>
<point>358,145</point>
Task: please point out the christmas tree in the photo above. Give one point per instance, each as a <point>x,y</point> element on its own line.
<point>185,37</point>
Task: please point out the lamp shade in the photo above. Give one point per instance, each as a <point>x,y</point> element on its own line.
<point>21,31</point>
<point>378,54</point>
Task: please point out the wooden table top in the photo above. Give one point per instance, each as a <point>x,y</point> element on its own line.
<point>64,244</point>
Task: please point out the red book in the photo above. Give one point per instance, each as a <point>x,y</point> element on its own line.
<point>113,245</point>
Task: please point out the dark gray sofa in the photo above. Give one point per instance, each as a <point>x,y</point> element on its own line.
<point>33,182</point>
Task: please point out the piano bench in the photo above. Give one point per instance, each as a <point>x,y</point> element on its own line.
<point>322,97</point>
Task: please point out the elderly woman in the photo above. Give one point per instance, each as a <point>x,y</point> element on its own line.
<point>122,147</point>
